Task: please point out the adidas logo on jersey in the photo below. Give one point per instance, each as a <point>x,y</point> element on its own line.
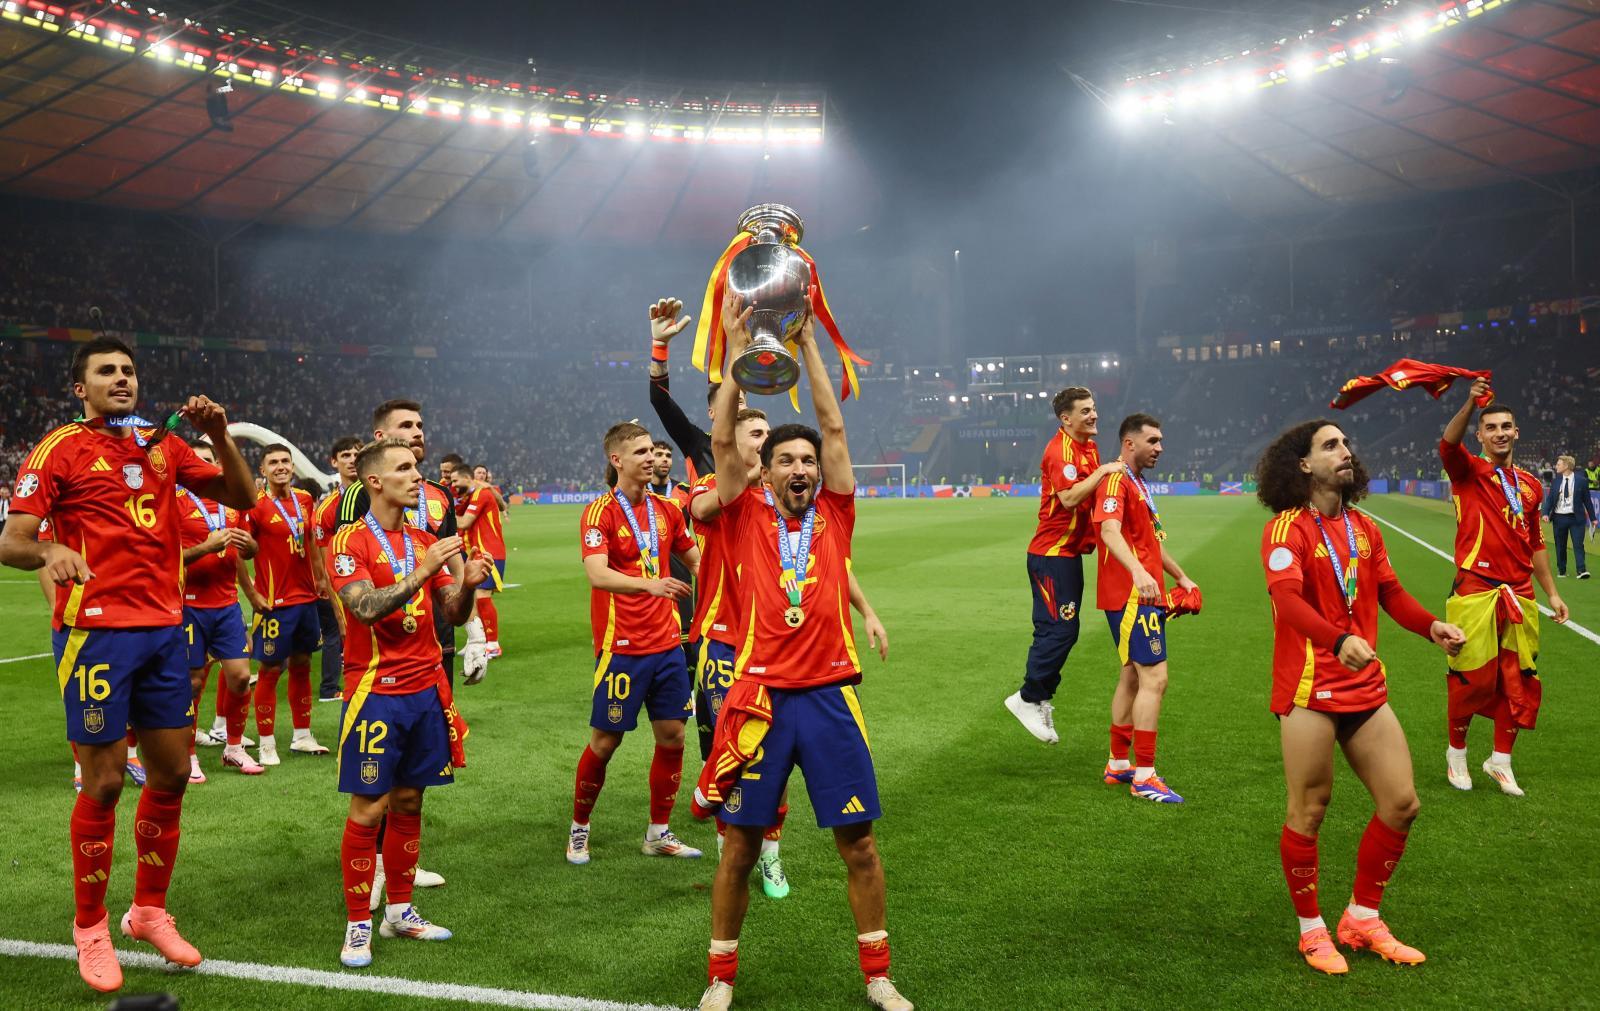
<point>100,464</point>
<point>854,807</point>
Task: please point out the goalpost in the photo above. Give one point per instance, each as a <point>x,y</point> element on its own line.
<point>881,473</point>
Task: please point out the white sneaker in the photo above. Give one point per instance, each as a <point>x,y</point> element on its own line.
<point>196,774</point>
<point>493,650</point>
<point>881,993</point>
<point>244,742</point>
<point>209,739</point>
<point>1455,769</point>
<point>1502,774</point>
<point>357,950</point>
<point>378,880</point>
<point>269,751</point>
<point>718,996</point>
<point>1038,717</point>
<point>411,924</point>
<point>578,845</point>
<point>668,845</point>
<point>234,755</point>
<point>426,879</point>
<point>307,745</point>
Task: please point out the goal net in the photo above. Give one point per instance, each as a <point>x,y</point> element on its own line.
<point>892,475</point>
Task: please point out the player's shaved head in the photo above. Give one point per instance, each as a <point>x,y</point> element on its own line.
<point>1494,409</point>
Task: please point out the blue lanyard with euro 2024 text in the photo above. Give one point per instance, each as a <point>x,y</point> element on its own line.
<point>1346,577</point>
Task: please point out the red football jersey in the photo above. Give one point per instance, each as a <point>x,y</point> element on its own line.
<point>1294,554</point>
<point>210,580</point>
<point>822,650</point>
<point>716,613</point>
<point>1491,542</point>
<point>486,532</point>
<point>282,567</point>
<point>1120,498</point>
<point>113,502</point>
<point>325,518</point>
<point>632,624</point>
<point>1064,531</point>
<point>384,658</point>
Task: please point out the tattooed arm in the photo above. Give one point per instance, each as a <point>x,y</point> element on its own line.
<point>369,604</point>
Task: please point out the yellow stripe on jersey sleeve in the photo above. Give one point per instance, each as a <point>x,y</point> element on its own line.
<point>42,451</point>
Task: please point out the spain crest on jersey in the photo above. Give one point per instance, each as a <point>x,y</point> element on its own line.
<point>158,459</point>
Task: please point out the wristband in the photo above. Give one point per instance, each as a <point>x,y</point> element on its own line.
<point>1338,643</point>
<point>658,351</point>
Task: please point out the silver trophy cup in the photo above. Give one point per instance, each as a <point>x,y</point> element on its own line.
<point>772,279</point>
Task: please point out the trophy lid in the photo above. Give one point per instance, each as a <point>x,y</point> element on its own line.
<point>777,217</point>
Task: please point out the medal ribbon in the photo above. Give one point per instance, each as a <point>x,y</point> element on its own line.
<point>794,560</point>
<point>1347,577</point>
<point>1512,490</point>
<point>212,522</point>
<point>421,517</point>
<point>297,525</point>
<point>1149,501</point>
<point>378,534</point>
<point>133,422</point>
<point>647,561</point>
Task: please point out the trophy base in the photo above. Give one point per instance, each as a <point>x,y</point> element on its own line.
<point>765,372</point>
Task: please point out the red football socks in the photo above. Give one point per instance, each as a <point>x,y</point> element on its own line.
<point>591,777</point>
<point>1299,855</point>
<point>222,692</point>
<point>775,833</point>
<point>1144,748</point>
<point>155,836</point>
<point>666,772</point>
<point>235,714</point>
<point>402,847</point>
<point>1458,732</point>
<point>490,616</point>
<point>358,852</point>
<point>1505,728</point>
<point>267,700</point>
<point>94,828</point>
<point>300,694</point>
<point>873,951</point>
<point>1121,740</point>
<point>723,965</point>
<point>1381,849</point>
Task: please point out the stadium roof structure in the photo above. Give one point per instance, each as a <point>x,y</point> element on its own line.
<point>302,122</point>
<point>1357,106</point>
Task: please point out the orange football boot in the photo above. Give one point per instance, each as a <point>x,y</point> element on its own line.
<point>1320,954</point>
<point>1374,935</point>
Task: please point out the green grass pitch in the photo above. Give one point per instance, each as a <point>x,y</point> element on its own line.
<point>1016,879</point>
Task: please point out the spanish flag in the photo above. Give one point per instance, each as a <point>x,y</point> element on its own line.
<point>709,349</point>
<point>1406,373</point>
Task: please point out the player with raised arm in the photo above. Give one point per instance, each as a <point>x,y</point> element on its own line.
<point>324,524</point>
<point>480,518</point>
<point>1133,563</point>
<point>793,702</point>
<point>214,540</point>
<point>289,577</point>
<point>399,733</point>
<point>1500,551</point>
<point>626,537</point>
<point>1327,574</point>
<point>1069,473</point>
<point>108,485</point>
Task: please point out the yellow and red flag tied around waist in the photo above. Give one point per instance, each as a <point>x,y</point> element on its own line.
<point>710,349</point>
<point>1406,373</point>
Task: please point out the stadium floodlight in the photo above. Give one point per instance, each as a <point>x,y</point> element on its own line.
<point>1063,366</point>
<point>419,105</point>
<point>327,89</point>
<point>511,117</point>
<point>1244,84</point>
<point>602,127</point>
<point>540,121</point>
<point>634,130</point>
<point>480,112</point>
<point>1104,364</point>
<point>1128,108</point>
<point>916,372</point>
<point>1417,28</point>
<point>361,94</point>
<point>952,398</point>
<point>1188,95</point>
<point>694,133</point>
<point>574,124</point>
<point>966,399</point>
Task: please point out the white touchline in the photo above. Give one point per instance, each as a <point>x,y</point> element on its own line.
<point>1574,626</point>
<point>19,659</point>
<point>348,981</point>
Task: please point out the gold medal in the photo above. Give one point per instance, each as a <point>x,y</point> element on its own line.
<point>794,617</point>
<point>409,623</point>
